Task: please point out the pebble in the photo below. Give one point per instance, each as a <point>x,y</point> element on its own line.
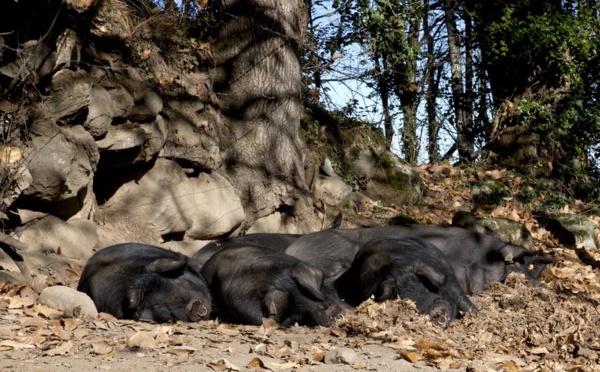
<point>340,356</point>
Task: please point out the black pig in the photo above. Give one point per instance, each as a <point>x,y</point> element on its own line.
<point>249,283</point>
<point>139,281</point>
<point>477,259</point>
<point>409,268</point>
<point>277,242</point>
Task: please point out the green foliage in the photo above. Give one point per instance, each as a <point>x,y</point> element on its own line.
<point>546,54</point>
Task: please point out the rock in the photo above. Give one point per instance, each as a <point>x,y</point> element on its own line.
<point>202,207</point>
<point>342,355</point>
<point>36,56</point>
<point>50,234</point>
<point>327,168</point>
<point>268,224</point>
<point>71,93</point>
<point>68,50</point>
<point>100,112</point>
<point>122,101</point>
<point>332,190</point>
<point>72,302</point>
<point>571,230</point>
<point>489,192</point>
<point>510,231</point>
<point>149,105</point>
<point>191,137</point>
<point>363,162</point>
<point>395,181</point>
<point>156,136</point>
<point>121,137</point>
<point>61,164</point>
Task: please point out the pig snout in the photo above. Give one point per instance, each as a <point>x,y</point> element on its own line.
<point>197,310</point>
<point>442,313</point>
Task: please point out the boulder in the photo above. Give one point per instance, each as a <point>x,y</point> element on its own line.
<point>71,93</point>
<point>191,137</point>
<point>202,207</point>
<point>362,162</point>
<point>508,230</point>
<point>100,112</point>
<point>571,230</point>
<point>50,234</point>
<point>395,181</point>
<point>267,224</point>
<point>62,163</point>
<point>332,190</point>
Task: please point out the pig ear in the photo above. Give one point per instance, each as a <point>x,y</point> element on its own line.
<point>386,290</point>
<point>337,270</point>
<point>310,279</point>
<point>135,297</point>
<point>163,265</point>
<point>422,269</point>
<point>534,265</point>
<point>510,252</point>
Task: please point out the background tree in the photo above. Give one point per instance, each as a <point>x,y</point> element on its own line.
<point>257,79</point>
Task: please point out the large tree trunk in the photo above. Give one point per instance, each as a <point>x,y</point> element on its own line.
<point>257,79</point>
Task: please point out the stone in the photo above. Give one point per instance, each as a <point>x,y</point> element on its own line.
<point>61,164</point>
<point>100,112</point>
<point>72,302</point>
<point>202,207</point>
<point>332,190</point>
<point>71,93</point>
<point>572,230</point>
<point>68,50</point>
<point>267,224</point>
<point>191,137</point>
<point>121,137</point>
<point>50,234</point>
<point>327,168</point>
<point>342,355</point>
<point>395,181</point>
<point>510,231</point>
<point>362,162</point>
<point>122,101</point>
<point>149,105</point>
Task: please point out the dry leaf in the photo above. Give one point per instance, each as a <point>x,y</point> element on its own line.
<point>143,340</point>
<point>338,332</point>
<point>60,350</point>
<point>410,356</point>
<point>227,330</point>
<point>223,365</point>
<point>101,348</point>
<point>267,327</point>
<point>18,302</point>
<point>256,362</point>
<point>12,345</point>
<point>49,312</point>
<point>509,366</point>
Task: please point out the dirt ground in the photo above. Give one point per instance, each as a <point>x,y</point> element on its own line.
<point>552,325</point>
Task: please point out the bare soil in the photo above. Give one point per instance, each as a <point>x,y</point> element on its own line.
<point>552,325</point>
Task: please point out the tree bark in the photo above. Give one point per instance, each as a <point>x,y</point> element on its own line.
<point>409,95</point>
<point>463,142</point>
<point>258,82</point>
